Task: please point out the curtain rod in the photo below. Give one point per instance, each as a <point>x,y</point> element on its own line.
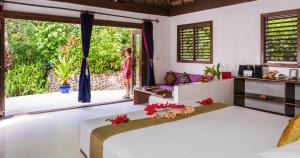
<point>77,10</point>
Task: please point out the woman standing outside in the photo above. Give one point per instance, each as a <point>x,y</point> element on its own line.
<point>127,71</point>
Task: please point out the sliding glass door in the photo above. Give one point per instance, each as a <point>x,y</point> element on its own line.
<point>137,58</point>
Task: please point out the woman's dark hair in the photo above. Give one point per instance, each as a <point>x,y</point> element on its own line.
<point>128,50</point>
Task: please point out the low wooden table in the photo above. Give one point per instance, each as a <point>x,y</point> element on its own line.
<point>142,96</point>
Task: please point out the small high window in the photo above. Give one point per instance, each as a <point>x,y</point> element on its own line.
<point>280,42</point>
<point>194,42</point>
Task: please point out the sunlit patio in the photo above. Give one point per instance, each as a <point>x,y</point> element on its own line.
<point>50,101</point>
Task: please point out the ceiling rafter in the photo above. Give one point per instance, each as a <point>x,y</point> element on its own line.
<point>157,7</point>
<point>199,5</point>
<point>119,5</point>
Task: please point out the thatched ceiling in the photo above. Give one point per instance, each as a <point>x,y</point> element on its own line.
<point>157,2</point>
<point>157,7</point>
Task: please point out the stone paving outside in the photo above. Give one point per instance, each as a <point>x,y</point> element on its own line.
<point>48,101</point>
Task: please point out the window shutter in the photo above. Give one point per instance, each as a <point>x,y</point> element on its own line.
<point>186,43</point>
<point>203,43</point>
<point>195,42</point>
<point>280,36</point>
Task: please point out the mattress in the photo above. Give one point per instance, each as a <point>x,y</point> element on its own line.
<point>232,132</point>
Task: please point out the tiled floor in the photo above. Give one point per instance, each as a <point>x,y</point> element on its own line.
<point>39,102</point>
<point>51,135</point>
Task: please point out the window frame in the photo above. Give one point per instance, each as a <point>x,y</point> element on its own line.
<point>279,64</point>
<point>205,23</point>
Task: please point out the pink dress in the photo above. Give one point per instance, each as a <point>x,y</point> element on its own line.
<point>127,69</point>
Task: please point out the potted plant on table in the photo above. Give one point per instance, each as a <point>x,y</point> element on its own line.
<point>63,70</point>
<point>213,71</point>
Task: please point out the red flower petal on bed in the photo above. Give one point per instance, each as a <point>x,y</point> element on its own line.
<point>152,108</point>
<point>119,119</point>
<point>180,107</point>
<point>207,101</point>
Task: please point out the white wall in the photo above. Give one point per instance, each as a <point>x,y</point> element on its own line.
<point>220,91</point>
<point>236,33</point>
<point>160,33</point>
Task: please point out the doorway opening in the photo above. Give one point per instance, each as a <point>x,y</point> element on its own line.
<point>40,55</point>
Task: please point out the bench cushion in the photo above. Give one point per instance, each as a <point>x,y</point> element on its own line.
<point>193,77</point>
<point>166,87</point>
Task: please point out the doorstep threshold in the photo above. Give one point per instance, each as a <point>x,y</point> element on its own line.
<point>67,108</point>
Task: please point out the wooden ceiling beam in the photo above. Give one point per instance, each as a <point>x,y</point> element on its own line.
<point>133,7</point>
<point>149,8</point>
<point>200,5</point>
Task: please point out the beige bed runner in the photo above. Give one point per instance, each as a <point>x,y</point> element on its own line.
<point>99,135</point>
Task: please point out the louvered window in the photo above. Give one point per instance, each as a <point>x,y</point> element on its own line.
<point>280,38</point>
<point>195,42</point>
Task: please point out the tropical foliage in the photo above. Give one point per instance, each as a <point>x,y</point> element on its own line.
<point>38,47</point>
<point>26,79</point>
<point>63,68</point>
<point>214,71</point>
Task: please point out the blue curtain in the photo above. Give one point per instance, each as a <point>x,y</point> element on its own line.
<point>148,47</point>
<point>84,89</point>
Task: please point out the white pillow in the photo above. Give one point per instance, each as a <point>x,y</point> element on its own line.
<point>288,151</point>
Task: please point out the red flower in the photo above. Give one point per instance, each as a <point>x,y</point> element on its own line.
<point>119,119</point>
<point>207,101</point>
<point>152,111</point>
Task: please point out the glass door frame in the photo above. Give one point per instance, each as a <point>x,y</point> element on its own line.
<point>2,68</point>
<point>140,72</point>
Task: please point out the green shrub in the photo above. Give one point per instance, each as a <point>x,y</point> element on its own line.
<point>25,52</point>
<point>102,62</point>
<point>106,43</point>
<point>50,37</point>
<point>26,80</point>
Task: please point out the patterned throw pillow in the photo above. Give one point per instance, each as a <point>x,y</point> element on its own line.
<point>170,78</point>
<point>184,78</point>
<point>291,133</point>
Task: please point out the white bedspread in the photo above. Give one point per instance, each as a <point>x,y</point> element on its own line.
<point>233,132</point>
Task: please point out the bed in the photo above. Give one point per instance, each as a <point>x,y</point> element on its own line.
<point>231,132</point>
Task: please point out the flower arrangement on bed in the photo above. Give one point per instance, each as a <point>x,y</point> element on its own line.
<point>168,111</point>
